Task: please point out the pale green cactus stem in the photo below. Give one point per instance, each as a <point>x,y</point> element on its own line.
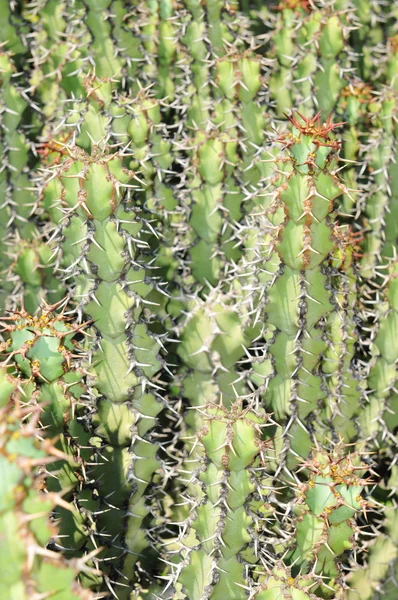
<point>151,154</point>
<point>229,165</point>
<point>356,106</point>
<point>101,48</point>
<point>379,421</point>
<point>279,584</point>
<point>211,345</point>
<point>41,364</point>
<point>378,203</point>
<point>388,587</point>
<point>104,38</point>
<point>325,527</point>
<point>307,42</point>
<point>133,122</point>
<point>376,577</point>
<point>379,272</point>
<point>200,240</point>
<point>344,378</point>
<point>300,243</point>
<point>382,307</point>
<point>226,88</point>
<point>75,58</point>
<point>99,251</point>
<point>392,60</point>
<point>58,42</point>
<point>29,569</point>
<point>23,253</point>
<point>224,492</point>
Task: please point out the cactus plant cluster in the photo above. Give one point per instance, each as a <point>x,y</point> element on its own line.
<point>198,300</point>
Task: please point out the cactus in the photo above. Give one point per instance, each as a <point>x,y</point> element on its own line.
<point>22,250</point>
<point>331,498</point>
<point>307,255</point>
<point>125,356</point>
<point>198,218</point>
<point>310,49</point>
<point>25,526</point>
<point>223,492</point>
<point>41,364</point>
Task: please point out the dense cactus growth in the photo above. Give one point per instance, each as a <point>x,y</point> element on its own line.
<point>198,300</point>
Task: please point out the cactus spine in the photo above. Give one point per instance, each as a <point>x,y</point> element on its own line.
<point>25,526</point>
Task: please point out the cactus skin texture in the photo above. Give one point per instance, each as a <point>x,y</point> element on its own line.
<point>29,570</point>
<point>308,380</point>
<point>99,252</point>
<point>329,501</point>
<point>40,366</point>
<point>23,253</point>
<point>222,491</point>
<point>241,289</point>
<point>308,43</point>
<point>280,585</point>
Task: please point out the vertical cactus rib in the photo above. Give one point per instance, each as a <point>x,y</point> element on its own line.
<point>42,361</point>
<point>29,569</point>
<point>222,491</point>
<point>309,44</point>
<point>198,217</point>
<point>100,248</point>
<point>306,256</point>
<point>23,252</point>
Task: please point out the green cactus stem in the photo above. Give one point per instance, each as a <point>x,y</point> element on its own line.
<point>224,490</point>
<point>329,502</point>
<point>100,253</point>
<point>306,269</point>
<point>30,570</point>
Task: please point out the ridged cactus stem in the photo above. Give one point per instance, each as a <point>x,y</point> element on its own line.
<point>30,571</point>
<point>329,502</point>
<point>309,45</point>
<point>42,362</point>
<point>23,253</point>
<point>225,490</point>
<point>309,279</point>
<point>100,255</point>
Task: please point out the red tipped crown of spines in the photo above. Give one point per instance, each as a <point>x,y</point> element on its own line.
<point>312,127</point>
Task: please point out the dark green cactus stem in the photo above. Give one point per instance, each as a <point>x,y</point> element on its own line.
<point>372,21</point>
<point>146,38</point>
<point>222,86</point>
<point>29,569</point>
<point>13,29</point>
<point>22,251</point>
